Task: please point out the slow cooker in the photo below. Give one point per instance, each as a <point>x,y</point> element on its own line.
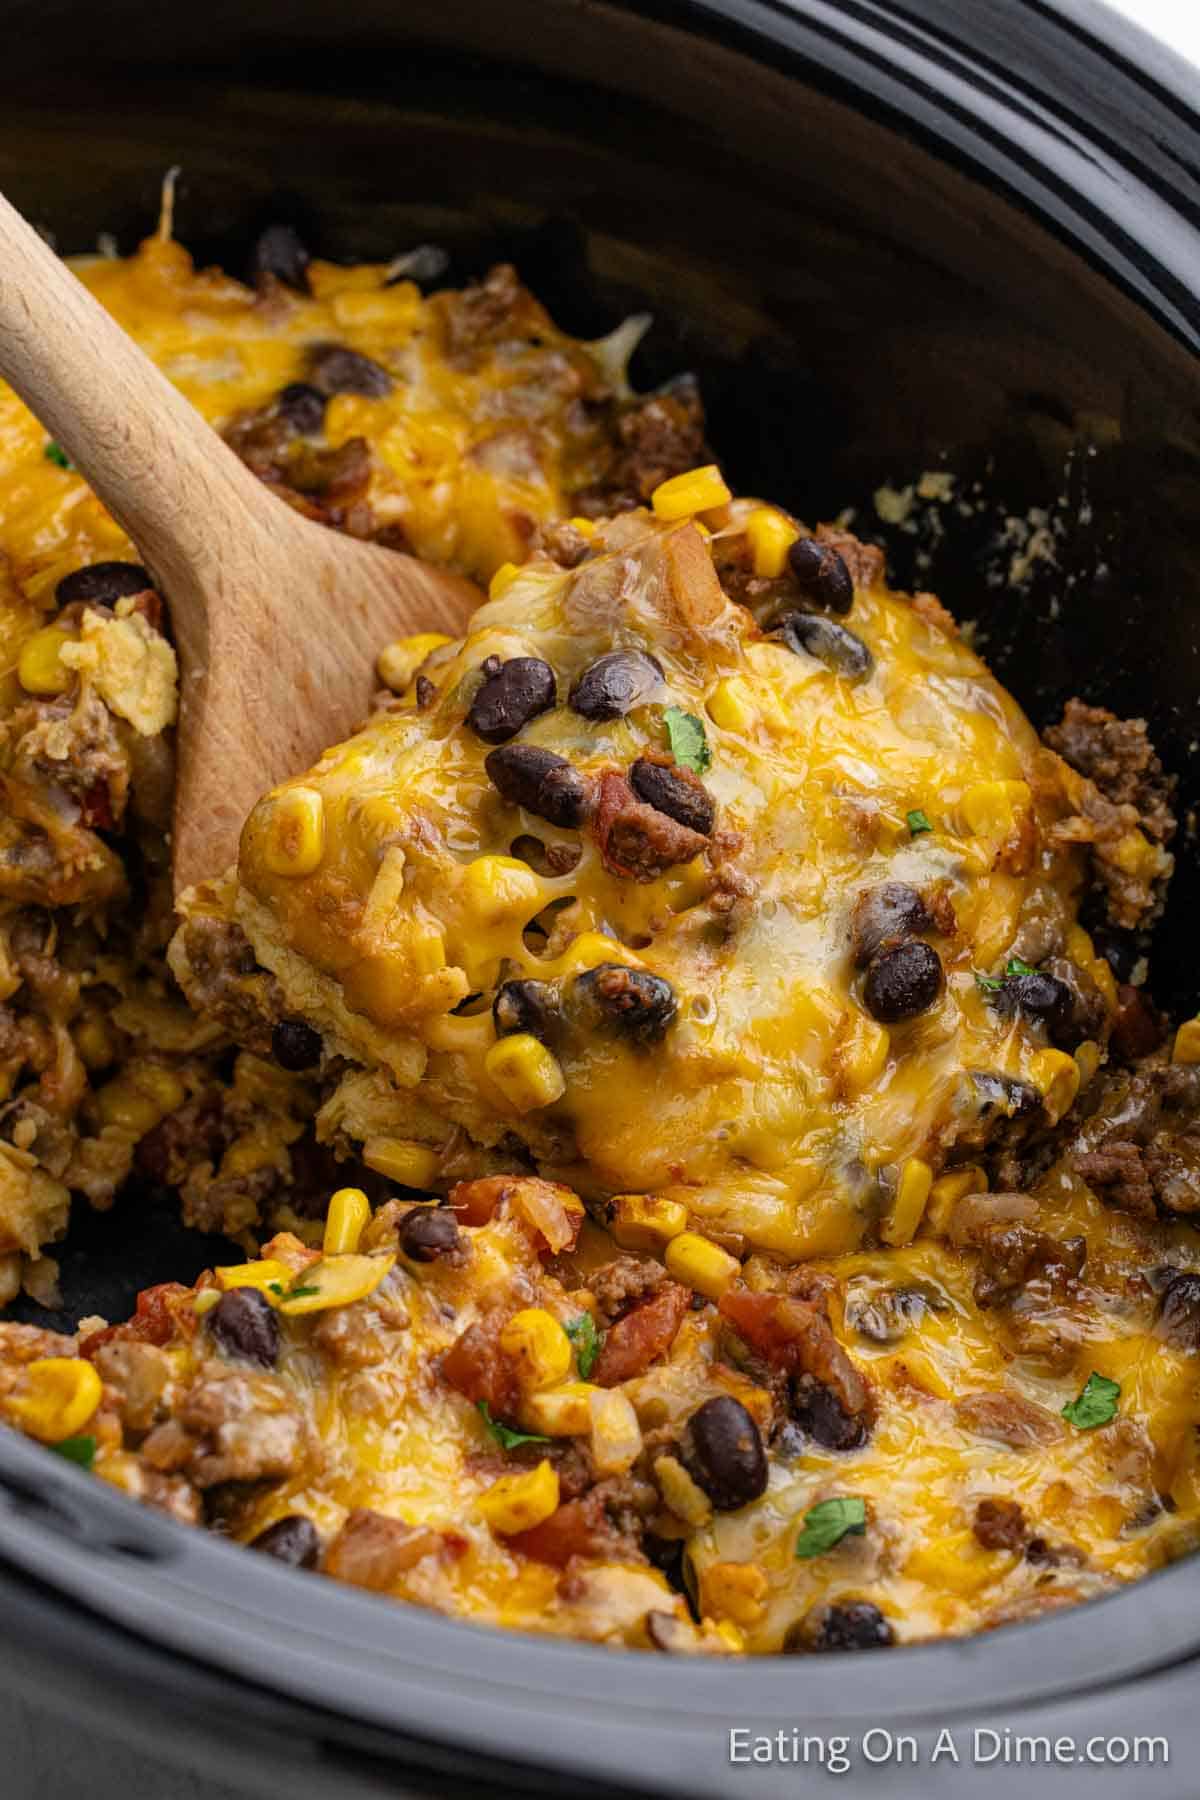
<point>891,236</point>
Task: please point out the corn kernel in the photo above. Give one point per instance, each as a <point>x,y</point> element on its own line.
<point>616,1434</point>
<point>701,1264</point>
<point>519,1502</point>
<point>335,1281</point>
<point>40,668</point>
<point>1105,980</point>
<point>946,1193</point>
<point>862,1053</point>
<point>912,1193</point>
<point>399,662</point>
<point>1186,1048</point>
<point>770,537</point>
<point>539,1347</point>
<point>731,705</point>
<point>1056,1075</point>
<point>248,1153</point>
<point>734,1590</point>
<point>644,1222</point>
<point>680,1493</point>
<point>499,888</point>
<point>590,949</point>
<point>96,1045</point>
<point>732,1636</point>
<point>412,1165</point>
<point>260,1274</point>
<point>585,527</point>
<point>349,1211</point>
<point>1137,856</point>
<point>697,490</point>
<point>1087,1061</point>
<point>502,580</point>
<point>119,1104</point>
<point>161,1085</point>
<point>991,809</point>
<point>525,1072</point>
<point>560,1411</point>
<point>205,1300</point>
<point>60,1395</point>
<point>295,835</point>
<point>1079,946</point>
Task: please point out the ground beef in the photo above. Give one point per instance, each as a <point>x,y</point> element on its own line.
<point>1008,1419</point>
<point>635,840</point>
<point>1127,791</point>
<point>197,1132</point>
<point>999,1524</point>
<point>657,437</point>
<point>496,310</point>
<point>618,1285</point>
<point>1142,1151</point>
<point>1118,756</point>
<point>607,1523</point>
<point>866,562</point>
<point>221,976</point>
<point>231,1426</point>
<point>373,1551</point>
<point>1013,1256</point>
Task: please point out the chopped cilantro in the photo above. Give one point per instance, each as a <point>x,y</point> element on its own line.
<point>56,454</point>
<point>586,1339</point>
<point>1096,1405</point>
<point>991,984</point>
<point>300,1293</point>
<point>685,735</point>
<point>918,821</point>
<point>505,1436</point>
<point>828,1522</point>
<point>80,1450</point>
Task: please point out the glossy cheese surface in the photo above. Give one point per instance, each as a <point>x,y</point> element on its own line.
<point>775,1107</point>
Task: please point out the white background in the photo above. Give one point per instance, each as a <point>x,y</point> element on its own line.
<point>1177,22</point>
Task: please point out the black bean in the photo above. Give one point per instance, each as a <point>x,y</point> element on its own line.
<point>1040,997</point>
<point>541,782</point>
<point>293,1540</point>
<point>821,574</point>
<point>1003,1096</point>
<point>902,982</point>
<point>818,1412</point>
<point>641,1006</point>
<point>676,792</point>
<point>295,1045</point>
<point>336,369</point>
<point>848,1625</point>
<point>614,684</point>
<point>103,582</point>
<point>429,1232</point>
<point>245,1326</point>
<point>829,642</point>
<point>530,1006</point>
<point>1178,1321</point>
<point>512,693</point>
<point>883,916</point>
<point>280,252</point>
<point>727,1453</point>
<point>303,406</point>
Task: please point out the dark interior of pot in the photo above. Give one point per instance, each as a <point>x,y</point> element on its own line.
<point>860,316</point>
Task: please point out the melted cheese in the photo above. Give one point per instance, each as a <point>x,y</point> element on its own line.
<point>774,1107</point>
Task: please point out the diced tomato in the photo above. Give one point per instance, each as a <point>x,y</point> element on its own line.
<point>475,1201</point>
<point>153,1322</point>
<point>477,1367</point>
<point>578,1528</point>
<point>644,1334</point>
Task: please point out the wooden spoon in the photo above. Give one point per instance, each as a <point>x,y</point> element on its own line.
<point>277,620</point>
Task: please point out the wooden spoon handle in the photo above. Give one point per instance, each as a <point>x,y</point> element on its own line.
<point>164,474</point>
